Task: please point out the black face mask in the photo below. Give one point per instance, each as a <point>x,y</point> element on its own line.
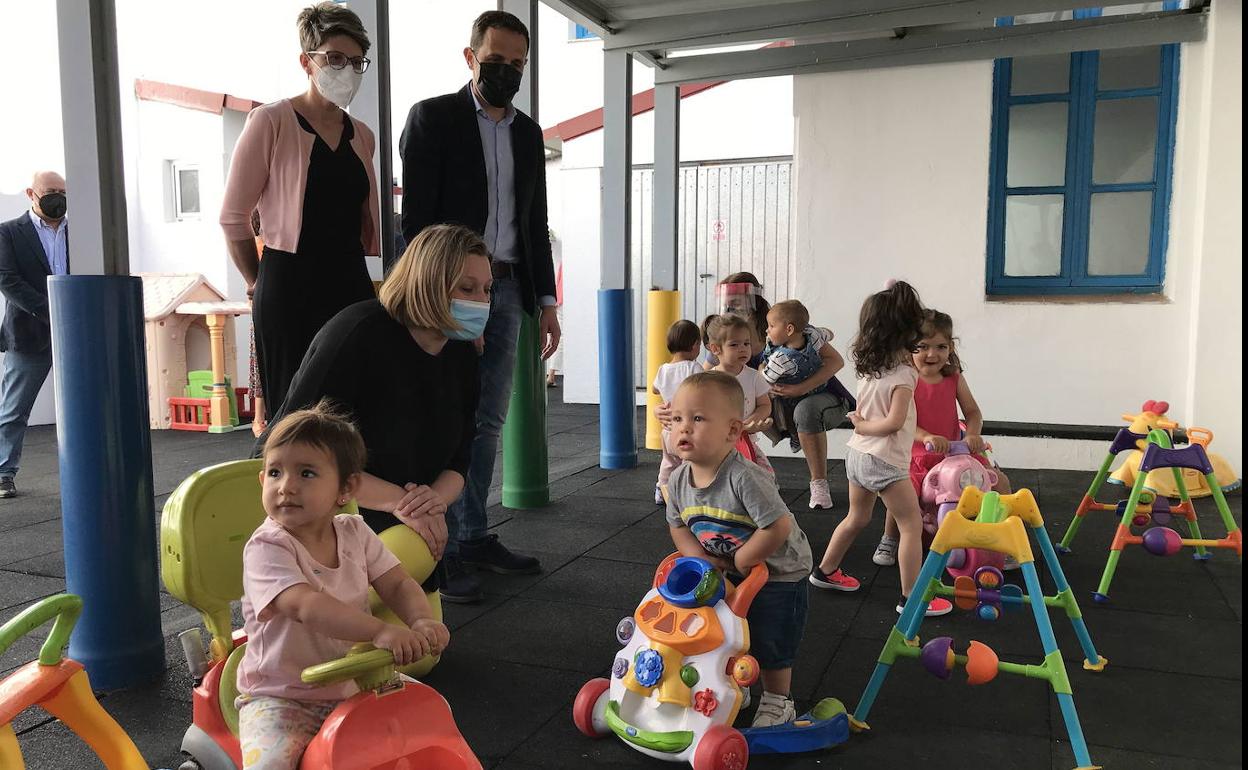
<point>52,205</point>
<point>498,82</point>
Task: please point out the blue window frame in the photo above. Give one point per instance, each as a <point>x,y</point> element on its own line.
<point>580,32</point>
<point>1060,220</point>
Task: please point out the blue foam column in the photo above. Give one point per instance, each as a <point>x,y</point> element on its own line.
<point>617,399</point>
<point>107,508</point>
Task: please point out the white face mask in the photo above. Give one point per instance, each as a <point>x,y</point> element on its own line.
<point>338,86</point>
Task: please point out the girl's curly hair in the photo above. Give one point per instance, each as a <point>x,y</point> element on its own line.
<point>889,327</point>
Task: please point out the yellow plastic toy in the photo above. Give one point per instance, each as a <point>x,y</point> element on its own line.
<point>60,687</point>
<point>1161,481</point>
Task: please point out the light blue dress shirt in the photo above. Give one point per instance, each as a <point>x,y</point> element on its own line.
<point>501,235</point>
<point>55,243</point>
<point>502,232</point>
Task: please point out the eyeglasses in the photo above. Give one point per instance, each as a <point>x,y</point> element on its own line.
<point>339,60</point>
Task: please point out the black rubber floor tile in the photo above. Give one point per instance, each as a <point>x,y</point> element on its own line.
<point>544,633</point>
<point>1151,712</point>
<point>32,540</point>
<point>513,585</point>
<point>457,616</point>
<point>1177,645</point>
<point>498,704</point>
<point>25,510</point>
<point>597,583</point>
<point>48,565</point>
<point>931,738</point>
<point>1106,756</point>
<point>647,542</point>
<point>554,535</point>
<point>17,590</point>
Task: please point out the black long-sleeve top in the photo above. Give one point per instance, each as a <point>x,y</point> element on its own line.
<point>416,412</point>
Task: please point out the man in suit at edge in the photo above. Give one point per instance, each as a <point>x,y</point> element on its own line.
<point>471,158</point>
<point>32,247</point>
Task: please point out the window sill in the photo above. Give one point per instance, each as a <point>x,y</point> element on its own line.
<point>1079,299</point>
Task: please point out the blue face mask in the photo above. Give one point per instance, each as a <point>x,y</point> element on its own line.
<point>471,317</point>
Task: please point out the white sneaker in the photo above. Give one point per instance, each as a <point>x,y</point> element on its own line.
<point>774,710</point>
<point>819,495</point>
<point>658,495</point>
<point>885,553</point>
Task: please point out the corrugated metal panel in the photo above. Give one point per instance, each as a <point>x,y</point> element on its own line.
<point>733,217</point>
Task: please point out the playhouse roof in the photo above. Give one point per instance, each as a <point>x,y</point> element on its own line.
<point>163,292</point>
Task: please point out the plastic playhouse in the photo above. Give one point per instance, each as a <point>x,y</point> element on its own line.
<point>392,722</point>
<point>60,687</point>
<point>996,523</point>
<point>190,330</point>
<point>683,675</point>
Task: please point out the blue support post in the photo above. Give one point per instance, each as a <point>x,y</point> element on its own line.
<point>108,511</point>
<point>617,406</point>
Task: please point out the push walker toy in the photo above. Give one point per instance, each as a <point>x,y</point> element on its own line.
<point>60,687</point>
<point>993,522</point>
<point>684,673</point>
<point>392,722</point>
<point>942,488</point>
<point>1142,509</point>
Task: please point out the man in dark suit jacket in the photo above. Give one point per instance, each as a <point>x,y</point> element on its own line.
<point>32,247</point>
<point>471,158</point>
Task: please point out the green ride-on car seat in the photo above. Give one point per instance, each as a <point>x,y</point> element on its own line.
<point>203,528</point>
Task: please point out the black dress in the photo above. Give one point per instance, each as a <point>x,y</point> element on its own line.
<point>416,412</point>
<point>296,294</point>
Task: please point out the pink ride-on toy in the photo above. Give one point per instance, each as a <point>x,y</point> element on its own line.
<point>942,488</point>
<point>684,673</point>
<point>393,722</point>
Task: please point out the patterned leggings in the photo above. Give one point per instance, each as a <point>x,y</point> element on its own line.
<point>275,731</point>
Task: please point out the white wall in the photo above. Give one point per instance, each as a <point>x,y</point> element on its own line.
<point>1215,393</point>
<point>883,195</point>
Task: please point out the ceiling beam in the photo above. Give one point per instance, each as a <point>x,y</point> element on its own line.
<point>655,8</point>
<point>814,18</point>
<point>940,45</point>
<point>587,13</point>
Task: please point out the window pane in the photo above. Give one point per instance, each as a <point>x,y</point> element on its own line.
<point>188,191</point>
<point>1120,227</point>
<point>1040,74</point>
<point>1037,150</point>
<point>1124,146</point>
<point>1033,235</point>
<point>1129,68</point>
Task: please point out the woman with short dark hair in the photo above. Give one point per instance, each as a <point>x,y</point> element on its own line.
<point>306,166</point>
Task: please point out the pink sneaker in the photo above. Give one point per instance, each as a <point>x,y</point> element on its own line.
<point>837,581</point>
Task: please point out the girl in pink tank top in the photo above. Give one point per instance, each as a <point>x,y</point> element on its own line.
<point>940,391</point>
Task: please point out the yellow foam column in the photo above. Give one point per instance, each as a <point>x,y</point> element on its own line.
<point>663,311</point>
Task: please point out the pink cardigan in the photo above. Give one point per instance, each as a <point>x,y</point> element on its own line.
<point>269,171</point>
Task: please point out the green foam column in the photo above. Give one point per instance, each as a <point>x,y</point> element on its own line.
<point>526,480</point>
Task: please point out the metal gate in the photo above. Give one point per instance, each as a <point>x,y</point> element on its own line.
<point>733,217</point>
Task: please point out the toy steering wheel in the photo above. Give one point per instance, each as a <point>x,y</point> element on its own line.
<point>370,667</point>
<point>738,597</point>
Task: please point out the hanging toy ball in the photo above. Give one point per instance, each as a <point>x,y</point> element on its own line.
<point>1162,541</point>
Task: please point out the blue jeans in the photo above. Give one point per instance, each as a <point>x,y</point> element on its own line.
<point>777,617</point>
<point>24,374</point>
<point>467,520</point>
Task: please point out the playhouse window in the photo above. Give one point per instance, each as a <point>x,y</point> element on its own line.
<point>1079,186</point>
<point>185,181</point>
